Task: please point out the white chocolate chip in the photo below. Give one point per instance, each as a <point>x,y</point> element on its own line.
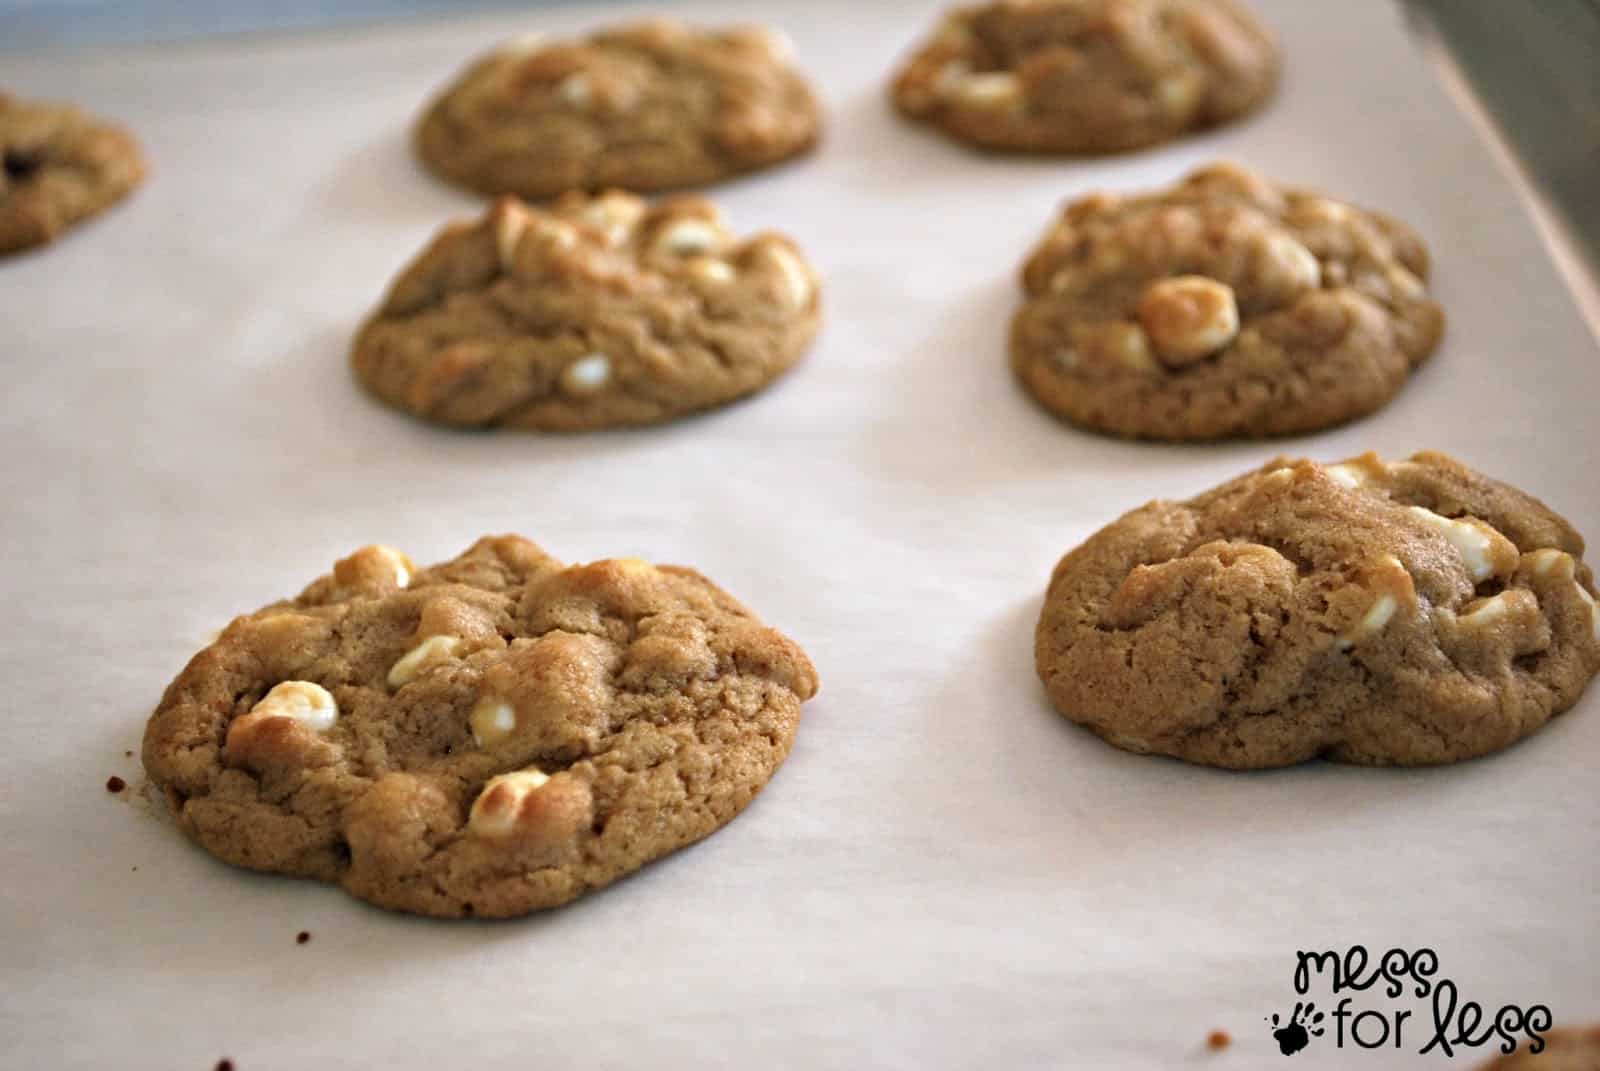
<point>1280,477</point>
<point>1346,476</point>
<point>780,46</point>
<point>587,374</point>
<point>1486,610</point>
<point>431,650</point>
<point>1357,472</point>
<point>309,704</point>
<point>711,270</point>
<point>797,285</point>
<point>1177,94</point>
<point>689,236</point>
<point>1232,178</point>
<point>616,214</point>
<point>1064,280</point>
<point>1189,317</point>
<point>1393,585</point>
<point>1594,609</point>
<point>775,43</point>
<point>991,89</point>
<point>1404,283</point>
<point>492,720</point>
<point>1382,609</point>
<point>574,90</point>
<point>1378,616</point>
<point>1130,347</point>
<point>557,232</point>
<point>1095,204</point>
<point>510,221</point>
<point>523,45</point>
<point>1473,542</point>
<point>1322,210</point>
<point>402,572</point>
<point>1548,560</point>
<point>1301,265</point>
<point>948,82</point>
<point>494,812</point>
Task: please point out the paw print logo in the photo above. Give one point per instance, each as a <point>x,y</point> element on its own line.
<point>1304,1024</point>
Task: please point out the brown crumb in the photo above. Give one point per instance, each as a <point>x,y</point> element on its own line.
<point>127,754</point>
<point>1218,1040</point>
<point>115,784</point>
<point>302,937</point>
<point>224,1065</point>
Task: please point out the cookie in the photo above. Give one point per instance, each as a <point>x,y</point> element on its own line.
<point>650,105</point>
<point>1564,1050</point>
<point>595,312</point>
<point>1087,76</point>
<point>1409,613</point>
<point>1226,306</point>
<point>489,736</point>
<point>58,166</point>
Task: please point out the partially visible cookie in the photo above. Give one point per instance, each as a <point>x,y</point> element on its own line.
<point>58,166</point>
<point>1087,76</point>
<point>489,736</point>
<point>1564,1050</point>
<point>645,106</point>
<point>1407,613</point>
<point>592,313</point>
<point>1225,306</point>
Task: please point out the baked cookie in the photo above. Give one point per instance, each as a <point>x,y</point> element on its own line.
<point>1087,76</point>
<point>1564,1050</point>
<point>647,106</point>
<point>1225,306</point>
<point>58,166</point>
<point>1408,614</point>
<point>489,736</point>
<point>593,313</point>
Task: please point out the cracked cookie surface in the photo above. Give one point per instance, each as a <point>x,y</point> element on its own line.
<point>1408,613</point>
<point>1226,306</point>
<point>58,166</point>
<point>1087,76</point>
<point>648,105</point>
<point>595,312</point>
<point>490,736</point>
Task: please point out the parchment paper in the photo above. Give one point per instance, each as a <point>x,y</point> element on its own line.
<point>945,874</point>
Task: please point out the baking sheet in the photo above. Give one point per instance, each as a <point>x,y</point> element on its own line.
<point>945,873</point>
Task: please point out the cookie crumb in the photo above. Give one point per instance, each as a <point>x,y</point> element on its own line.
<point>115,784</point>
<point>127,754</point>
<point>224,1065</point>
<point>302,937</point>
<point>1218,1040</point>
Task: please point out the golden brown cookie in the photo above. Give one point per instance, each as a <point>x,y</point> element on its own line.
<point>1087,76</point>
<point>1564,1050</point>
<point>1225,306</point>
<point>645,106</point>
<point>595,312</point>
<point>1407,613</point>
<point>489,736</point>
<point>58,166</point>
